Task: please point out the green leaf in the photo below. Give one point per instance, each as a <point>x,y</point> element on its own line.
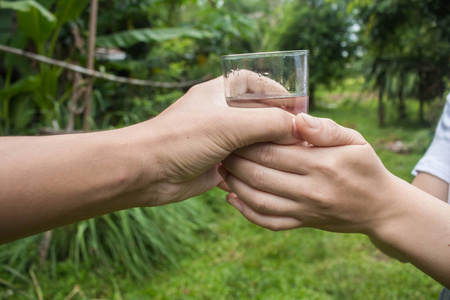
<point>35,20</point>
<point>20,40</point>
<point>67,10</point>
<point>5,26</point>
<point>26,5</point>
<point>22,113</point>
<point>16,5</point>
<point>26,85</point>
<point>131,37</point>
<point>47,3</point>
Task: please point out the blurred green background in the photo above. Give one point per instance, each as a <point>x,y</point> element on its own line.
<point>380,67</point>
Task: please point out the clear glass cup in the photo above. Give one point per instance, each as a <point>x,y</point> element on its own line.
<point>267,79</point>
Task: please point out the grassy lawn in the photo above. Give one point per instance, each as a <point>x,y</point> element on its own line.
<point>247,262</point>
<point>235,259</point>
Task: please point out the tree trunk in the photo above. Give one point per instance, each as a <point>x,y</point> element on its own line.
<point>90,65</point>
<point>401,99</point>
<point>421,113</point>
<point>380,106</point>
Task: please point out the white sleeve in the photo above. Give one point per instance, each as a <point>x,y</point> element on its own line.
<point>436,160</point>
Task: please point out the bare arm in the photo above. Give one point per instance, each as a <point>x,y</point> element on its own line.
<point>432,185</point>
<point>421,231</point>
<point>46,182</point>
<point>428,183</point>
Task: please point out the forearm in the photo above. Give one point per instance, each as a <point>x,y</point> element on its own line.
<point>428,183</point>
<point>46,182</point>
<point>432,185</point>
<point>419,231</point>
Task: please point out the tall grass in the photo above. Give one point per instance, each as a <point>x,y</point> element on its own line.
<point>138,240</point>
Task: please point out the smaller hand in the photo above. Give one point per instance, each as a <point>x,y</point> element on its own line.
<point>337,184</point>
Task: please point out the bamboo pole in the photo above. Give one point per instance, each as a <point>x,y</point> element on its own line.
<point>90,65</point>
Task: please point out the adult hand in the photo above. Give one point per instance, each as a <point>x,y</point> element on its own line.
<point>198,131</point>
<point>330,185</point>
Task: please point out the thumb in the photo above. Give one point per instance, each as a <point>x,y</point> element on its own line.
<point>326,132</point>
<point>257,125</point>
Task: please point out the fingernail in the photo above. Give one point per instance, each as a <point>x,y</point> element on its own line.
<point>235,203</point>
<point>231,196</point>
<point>295,133</point>
<point>310,121</point>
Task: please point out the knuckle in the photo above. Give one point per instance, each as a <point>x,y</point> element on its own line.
<point>276,118</point>
<point>194,89</point>
<point>320,199</point>
<point>334,129</point>
<point>328,166</point>
<point>333,166</point>
<point>267,154</point>
<point>257,178</point>
<point>261,206</point>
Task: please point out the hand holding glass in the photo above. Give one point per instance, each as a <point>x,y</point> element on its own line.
<point>271,79</point>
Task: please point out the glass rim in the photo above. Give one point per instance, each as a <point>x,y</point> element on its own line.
<point>262,54</point>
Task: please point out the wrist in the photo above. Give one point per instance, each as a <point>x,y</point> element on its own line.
<point>134,151</point>
<point>392,209</point>
<point>419,232</point>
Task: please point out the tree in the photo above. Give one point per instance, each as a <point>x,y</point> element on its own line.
<point>406,41</point>
<point>323,28</point>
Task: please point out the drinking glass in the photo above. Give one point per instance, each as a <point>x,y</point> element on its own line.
<point>267,79</point>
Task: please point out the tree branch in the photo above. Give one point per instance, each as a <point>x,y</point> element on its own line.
<point>101,75</point>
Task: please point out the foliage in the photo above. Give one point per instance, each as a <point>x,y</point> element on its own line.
<point>157,37</point>
<point>322,27</point>
<point>407,44</point>
<point>130,38</point>
<point>141,240</point>
<point>42,27</point>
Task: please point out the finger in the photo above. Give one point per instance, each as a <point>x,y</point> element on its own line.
<point>249,126</point>
<point>289,103</point>
<point>298,159</point>
<point>243,82</point>
<point>222,184</point>
<point>271,222</point>
<point>230,196</point>
<point>196,186</point>
<point>253,90</point>
<point>262,201</point>
<point>326,132</point>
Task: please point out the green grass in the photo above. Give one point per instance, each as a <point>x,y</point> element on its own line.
<point>247,262</point>
<point>239,260</point>
<point>234,259</point>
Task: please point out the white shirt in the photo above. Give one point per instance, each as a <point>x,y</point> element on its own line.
<point>436,160</point>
